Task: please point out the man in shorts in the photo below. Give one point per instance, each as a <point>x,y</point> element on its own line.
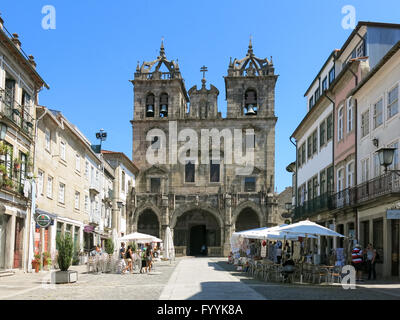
<point>357,261</point>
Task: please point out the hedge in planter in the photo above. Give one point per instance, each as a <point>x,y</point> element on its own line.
<point>64,258</point>
<point>109,246</point>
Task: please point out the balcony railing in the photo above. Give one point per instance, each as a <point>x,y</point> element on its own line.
<point>13,185</point>
<point>313,206</point>
<point>16,113</point>
<point>386,184</point>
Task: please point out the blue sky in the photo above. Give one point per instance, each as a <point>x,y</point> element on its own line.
<point>93,52</point>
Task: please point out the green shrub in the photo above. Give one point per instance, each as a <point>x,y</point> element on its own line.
<point>109,246</point>
<point>65,251</point>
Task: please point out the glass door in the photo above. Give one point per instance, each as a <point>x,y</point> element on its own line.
<point>3,226</point>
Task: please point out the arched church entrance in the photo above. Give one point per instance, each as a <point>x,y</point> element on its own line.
<point>196,228</point>
<point>247,220</point>
<point>148,223</point>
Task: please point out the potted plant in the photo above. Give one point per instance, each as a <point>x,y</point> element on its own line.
<point>9,184</point>
<point>17,164</point>
<point>75,258</point>
<point>109,244</point>
<point>47,260</point>
<point>64,258</point>
<point>36,262</point>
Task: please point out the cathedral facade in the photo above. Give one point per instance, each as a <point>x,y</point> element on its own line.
<point>208,195</point>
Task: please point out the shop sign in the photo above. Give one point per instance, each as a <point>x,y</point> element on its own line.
<point>393,214</point>
<point>43,220</point>
<point>88,229</point>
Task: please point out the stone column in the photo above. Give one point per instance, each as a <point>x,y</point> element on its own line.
<point>164,223</point>
<point>10,241</point>
<point>226,231</point>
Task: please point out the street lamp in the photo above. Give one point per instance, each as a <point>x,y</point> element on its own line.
<point>102,136</point>
<point>386,157</point>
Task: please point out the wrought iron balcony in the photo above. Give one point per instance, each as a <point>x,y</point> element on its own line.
<point>312,207</point>
<point>13,185</point>
<point>16,113</point>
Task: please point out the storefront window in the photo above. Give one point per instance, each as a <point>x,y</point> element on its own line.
<point>58,232</point>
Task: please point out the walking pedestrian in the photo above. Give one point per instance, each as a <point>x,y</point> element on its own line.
<point>128,259</point>
<point>149,258</point>
<point>357,261</point>
<point>143,257</point>
<point>122,252</point>
<point>371,260</point>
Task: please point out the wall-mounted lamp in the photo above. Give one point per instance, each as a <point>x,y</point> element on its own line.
<point>375,141</point>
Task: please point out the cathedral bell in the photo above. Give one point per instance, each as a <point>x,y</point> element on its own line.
<point>150,111</point>
<point>164,110</point>
<point>251,110</point>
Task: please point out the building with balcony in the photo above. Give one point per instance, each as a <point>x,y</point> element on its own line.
<point>327,151</point>
<point>377,197</point>
<point>19,88</point>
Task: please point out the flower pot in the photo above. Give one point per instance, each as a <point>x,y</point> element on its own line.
<point>17,166</point>
<point>36,265</point>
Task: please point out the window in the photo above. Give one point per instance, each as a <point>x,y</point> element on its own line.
<point>315,187</point>
<point>315,141</point>
<point>378,113</point>
<point>377,236</point>
<point>302,193</point>
<point>364,170</point>
<point>49,187</point>
<point>360,50</point>
<point>377,166</point>
<point>62,150</point>
<point>87,170</point>
<point>395,163</point>
<point>329,128</point>
<point>40,181</point>
<point>189,172</point>
<point>309,147</point>
<point>329,177</point>
<point>365,123</point>
<point>92,176</point>
<point>322,182</point>
<point>155,185</point>
<point>47,139</point>
<point>214,171</point>
<point>349,114</point>
<point>86,203</point>
<point>325,84</point>
<point>9,159</point>
<point>61,193</point>
<point>299,159</point>
<point>22,171</point>
<point>123,182</point>
<point>322,130</point>
<point>303,153</point>
<point>311,103</point>
<point>309,190</point>
<point>317,94</point>
<point>350,174</point>
<point>77,199</point>
<point>249,184</point>
<point>340,124</point>
<point>393,101</point>
<point>58,232</point>
<point>340,180</point>
<point>331,75</point>
<point>77,162</point>
<point>10,92</point>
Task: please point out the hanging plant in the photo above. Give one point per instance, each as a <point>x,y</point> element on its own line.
<point>17,163</point>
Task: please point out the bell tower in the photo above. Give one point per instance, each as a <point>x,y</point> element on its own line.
<point>250,87</point>
<point>159,90</point>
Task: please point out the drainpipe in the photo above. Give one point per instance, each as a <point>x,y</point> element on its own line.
<point>295,191</point>
<point>31,229</point>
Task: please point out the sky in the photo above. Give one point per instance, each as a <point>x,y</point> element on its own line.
<point>90,56</point>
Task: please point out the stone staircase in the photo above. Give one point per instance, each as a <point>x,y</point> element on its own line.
<point>6,273</point>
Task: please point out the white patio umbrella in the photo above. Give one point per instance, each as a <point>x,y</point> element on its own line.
<point>169,250</point>
<point>309,228</point>
<point>139,237</point>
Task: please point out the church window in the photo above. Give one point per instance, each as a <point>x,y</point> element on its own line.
<point>214,171</point>
<point>189,171</point>
<point>249,184</point>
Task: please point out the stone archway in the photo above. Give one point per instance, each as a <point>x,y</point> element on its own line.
<point>197,227</point>
<point>148,223</point>
<point>247,219</point>
<point>252,209</point>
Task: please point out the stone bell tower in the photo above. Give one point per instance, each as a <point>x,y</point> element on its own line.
<point>250,87</point>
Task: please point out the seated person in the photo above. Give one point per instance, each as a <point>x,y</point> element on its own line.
<point>288,267</point>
